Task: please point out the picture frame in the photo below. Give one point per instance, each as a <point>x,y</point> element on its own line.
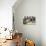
<point>29,20</point>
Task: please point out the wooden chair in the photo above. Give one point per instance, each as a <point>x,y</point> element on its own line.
<point>29,43</point>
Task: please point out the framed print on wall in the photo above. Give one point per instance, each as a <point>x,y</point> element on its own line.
<point>29,20</point>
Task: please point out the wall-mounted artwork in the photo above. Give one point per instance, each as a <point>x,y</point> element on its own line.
<point>29,20</point>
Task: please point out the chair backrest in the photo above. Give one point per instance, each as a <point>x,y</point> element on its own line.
<point>18,39</point>
<point>29,43</point>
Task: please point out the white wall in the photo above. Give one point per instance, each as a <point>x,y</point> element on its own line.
<point>29,8</point>
<point>6,13</point>
<point>43,22</point>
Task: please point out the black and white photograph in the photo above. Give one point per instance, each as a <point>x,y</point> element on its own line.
<point>29,20</point>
